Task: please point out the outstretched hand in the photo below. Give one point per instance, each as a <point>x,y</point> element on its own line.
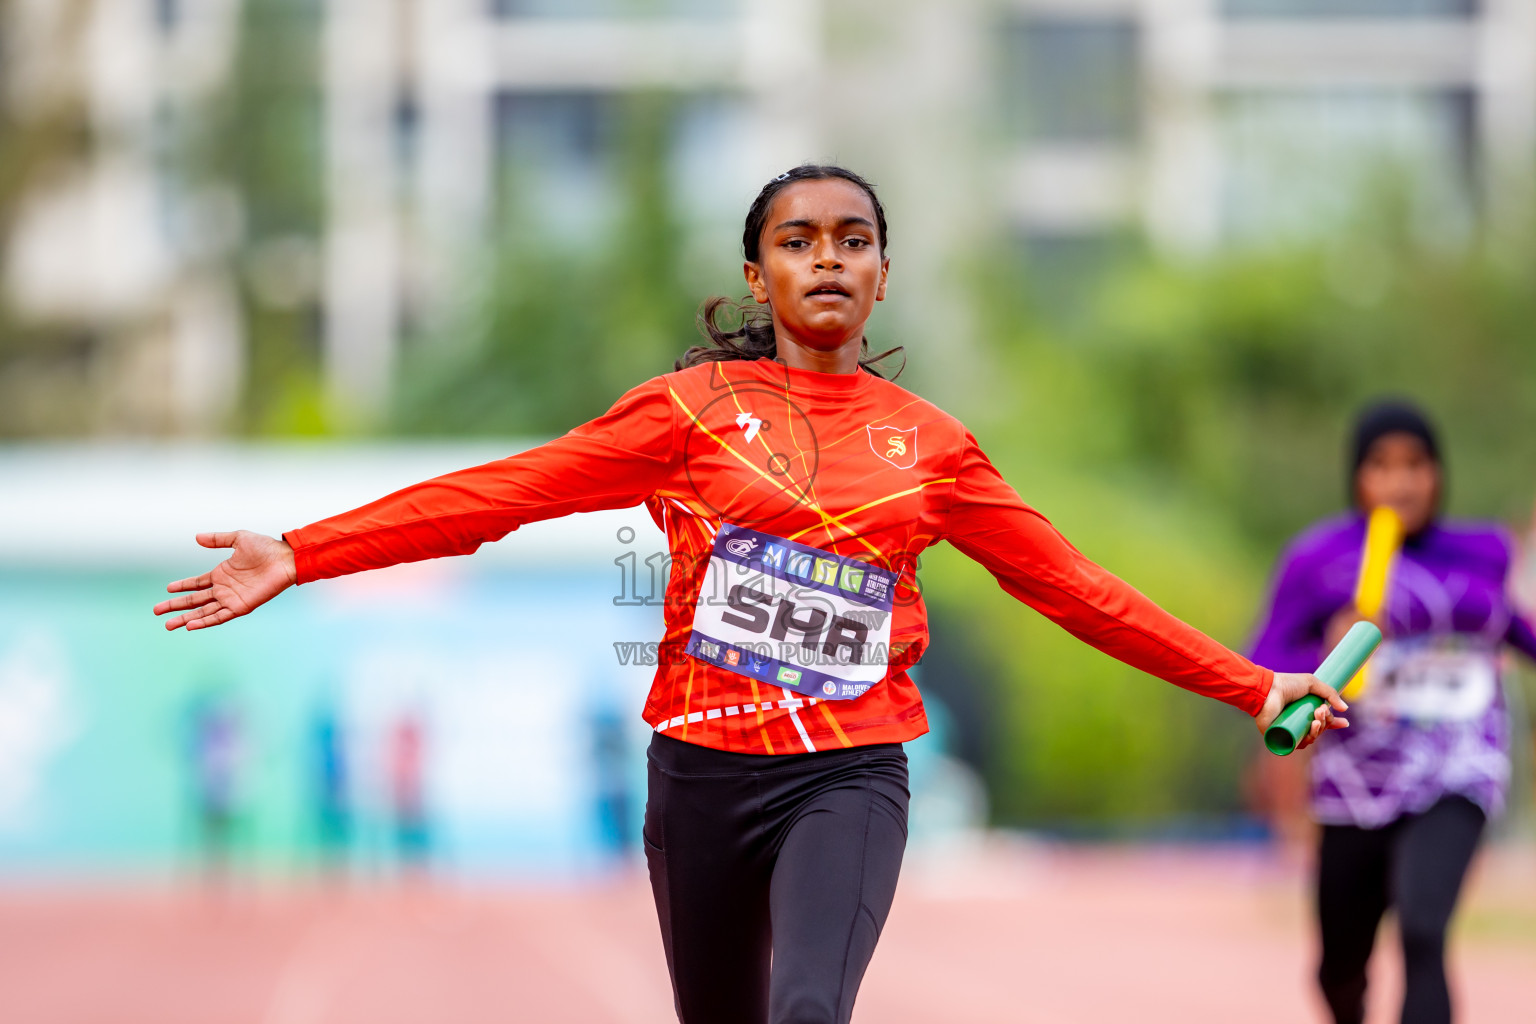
<point>1292,686</point>
<point>259,568</point>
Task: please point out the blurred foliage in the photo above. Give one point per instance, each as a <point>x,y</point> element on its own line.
<point>1179,428</point>
<point>1069,735</point>
<point>261,140</point>
<point>559,330</point>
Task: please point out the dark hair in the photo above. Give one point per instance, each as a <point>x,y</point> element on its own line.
<point>743,329</point>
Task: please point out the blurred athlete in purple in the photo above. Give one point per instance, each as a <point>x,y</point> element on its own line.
<point>1402,796</point>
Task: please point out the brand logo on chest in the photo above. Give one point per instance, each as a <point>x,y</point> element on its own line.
<point>896,445</point>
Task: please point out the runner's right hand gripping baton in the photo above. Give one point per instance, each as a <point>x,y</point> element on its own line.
<point>1337,669</point>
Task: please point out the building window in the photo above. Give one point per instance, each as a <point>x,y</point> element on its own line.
<point>710,145</point>
<point>406,121</point>
<point>710,136</point>
<point>555,156</point>
<point>613,8</point>
<point>168,14</point>
<point>1072,80</point>
<point>570,165</point>
<point>1301,164</point>
<point>1350,8</point>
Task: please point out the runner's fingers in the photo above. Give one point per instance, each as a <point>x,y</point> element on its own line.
<point>190,583</point>
<point>218,616</point>
<point>196,615</point>
<point>1328,693</point>
<point>181,604</point>
<point>217,540</point>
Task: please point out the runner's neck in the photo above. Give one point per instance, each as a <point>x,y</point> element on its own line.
<point>812,381</point>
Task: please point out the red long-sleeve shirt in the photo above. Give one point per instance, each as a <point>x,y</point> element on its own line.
<point>848,463</point>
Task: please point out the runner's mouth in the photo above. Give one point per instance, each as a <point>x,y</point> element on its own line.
<point>828,288</point>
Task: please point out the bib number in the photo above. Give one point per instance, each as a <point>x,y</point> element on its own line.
<point>791,615</point>
<point>1432,682</point>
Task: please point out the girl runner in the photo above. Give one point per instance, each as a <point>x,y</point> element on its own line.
<point>796,487</point>
<point>1402,796</point>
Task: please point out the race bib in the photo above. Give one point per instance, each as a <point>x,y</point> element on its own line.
<point>791,615</point>
<point>1432,680</point>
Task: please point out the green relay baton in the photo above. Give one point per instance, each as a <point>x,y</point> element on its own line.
<point>1337,669</point>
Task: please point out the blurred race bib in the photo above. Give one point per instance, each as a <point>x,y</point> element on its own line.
<point>1432,679</point>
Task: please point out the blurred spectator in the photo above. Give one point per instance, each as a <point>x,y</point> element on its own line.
<point>610,762</point>
<point>217,753</point>
<point>333,805</point>
<point>407,791</point>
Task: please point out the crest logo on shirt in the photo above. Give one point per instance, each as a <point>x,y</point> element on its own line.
<point>896,445</point>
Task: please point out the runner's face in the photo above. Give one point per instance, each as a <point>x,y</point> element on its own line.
<point>820,267</point>
<point>1399,472</point>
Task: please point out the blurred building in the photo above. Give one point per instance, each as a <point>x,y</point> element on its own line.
<point>1213,122</point>
<point>117,314</point>
<point>444,115</point>
<point>140,261</point>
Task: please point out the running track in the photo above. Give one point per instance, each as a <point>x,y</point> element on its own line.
<point>1001,932</point>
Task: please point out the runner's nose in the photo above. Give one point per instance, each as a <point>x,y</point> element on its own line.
<point>826,256</point>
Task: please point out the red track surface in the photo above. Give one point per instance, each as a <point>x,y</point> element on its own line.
<point>1055,936</point>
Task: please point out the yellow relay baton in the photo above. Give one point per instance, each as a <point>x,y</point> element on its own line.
<point>1383,538</point>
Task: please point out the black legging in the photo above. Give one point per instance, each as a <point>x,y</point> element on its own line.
<point>759,860</point>
<point>1416,865</point>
